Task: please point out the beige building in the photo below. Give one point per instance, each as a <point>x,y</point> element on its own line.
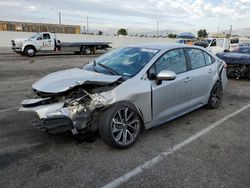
<point>39,27</point>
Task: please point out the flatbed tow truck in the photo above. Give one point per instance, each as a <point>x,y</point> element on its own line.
<point>46,42</point>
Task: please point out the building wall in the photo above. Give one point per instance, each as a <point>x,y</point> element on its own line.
<point>38,27</point>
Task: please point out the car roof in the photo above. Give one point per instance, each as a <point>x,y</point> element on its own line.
<point>160,46</point>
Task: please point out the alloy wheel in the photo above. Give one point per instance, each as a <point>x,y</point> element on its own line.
<point>125,126</point>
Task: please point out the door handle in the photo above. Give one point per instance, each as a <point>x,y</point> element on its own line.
<point>188,79</point>
<point>210,71</point>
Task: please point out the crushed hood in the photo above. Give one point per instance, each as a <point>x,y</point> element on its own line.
<point>64,80</point>
<point>234,58</point>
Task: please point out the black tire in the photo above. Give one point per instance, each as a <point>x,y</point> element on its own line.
<point>118,131</point>
<point>30,51</point>
<point>248,72</point>
<point>87,50</point>
<point>215,96</point>
<point>77,52</point>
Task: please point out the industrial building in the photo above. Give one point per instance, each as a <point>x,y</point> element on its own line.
<point>39,27</point>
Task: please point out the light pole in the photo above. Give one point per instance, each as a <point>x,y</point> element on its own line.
<point>87,24</point>
<point>60,18</point>
<point>230,32</point>
<point>157,29</point>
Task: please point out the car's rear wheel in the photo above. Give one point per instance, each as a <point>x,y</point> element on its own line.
<point>215,96</point>
<point>87,50</point>
<point>120,126</point>
<point>248,72</point>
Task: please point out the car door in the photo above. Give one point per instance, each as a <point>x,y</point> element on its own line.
<point>203,73</point>
<point>171,98</point>
<point>44,42</point>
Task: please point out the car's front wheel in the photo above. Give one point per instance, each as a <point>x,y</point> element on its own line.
<point>30,51</point>
<point>120,126</point>
<point>215,96</point>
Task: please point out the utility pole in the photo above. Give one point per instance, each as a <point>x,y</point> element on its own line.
<point>157,33</point>
<point>60,18</point>
<point>87,24</point>
<point>84,29</point>
<point>230,32</point>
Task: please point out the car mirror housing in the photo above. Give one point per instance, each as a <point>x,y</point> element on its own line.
<point>165,75</point>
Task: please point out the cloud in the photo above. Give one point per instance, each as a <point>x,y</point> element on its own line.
<point>130,13</point>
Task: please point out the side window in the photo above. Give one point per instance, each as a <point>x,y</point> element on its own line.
<point>208,58</point>
<point>46,36</point>
<point>196,58</point>
<point>39,38</point>
<point>173,60</point>
<point>213,43</point>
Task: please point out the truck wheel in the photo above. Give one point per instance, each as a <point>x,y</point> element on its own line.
<point>120,126</point>
<point>215,96</point>
<point>30,51</point>
<point>87,51</point>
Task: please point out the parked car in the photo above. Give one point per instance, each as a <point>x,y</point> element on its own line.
<point>127,90</point>
<point>238,62</point>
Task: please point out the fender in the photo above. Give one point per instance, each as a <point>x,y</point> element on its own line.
<point>28,44</point>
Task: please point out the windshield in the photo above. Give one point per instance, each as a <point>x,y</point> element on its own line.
<point>34,36</point>
<point>125,62</point>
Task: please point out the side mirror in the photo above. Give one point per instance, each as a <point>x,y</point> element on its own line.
<point>165,75</point>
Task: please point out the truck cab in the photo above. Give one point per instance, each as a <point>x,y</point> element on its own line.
<point>44,41</point>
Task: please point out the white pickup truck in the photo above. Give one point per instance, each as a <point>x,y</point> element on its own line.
<point>217,45</point>
<point>47,42</point>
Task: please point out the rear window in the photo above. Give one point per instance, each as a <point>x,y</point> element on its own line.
<point>196,57</point>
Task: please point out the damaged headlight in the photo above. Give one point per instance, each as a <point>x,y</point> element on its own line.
<point>97,101</point>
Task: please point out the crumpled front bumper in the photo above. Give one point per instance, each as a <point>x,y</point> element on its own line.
<point>16,49</point>
<point>55,117</point>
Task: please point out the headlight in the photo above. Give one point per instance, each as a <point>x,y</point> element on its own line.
<point>97,101</point>
<point>19,43</point>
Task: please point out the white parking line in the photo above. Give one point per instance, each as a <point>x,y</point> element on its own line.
<point>163,155</point>
<point>18,81</point>
<point>9,109</point>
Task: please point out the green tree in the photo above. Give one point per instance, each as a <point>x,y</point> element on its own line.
<point>100,32</point>
<point>122,31</point>
<point>202,33</point>
<point>172,36</point>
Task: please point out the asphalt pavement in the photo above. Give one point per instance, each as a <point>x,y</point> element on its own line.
<point>30,158</point>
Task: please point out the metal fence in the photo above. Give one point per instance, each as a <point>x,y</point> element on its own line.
<point>38,27</point>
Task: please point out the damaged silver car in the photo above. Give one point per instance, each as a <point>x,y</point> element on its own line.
<point>127,90</point>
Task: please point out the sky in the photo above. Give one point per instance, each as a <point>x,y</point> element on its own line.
<point>134,15</point>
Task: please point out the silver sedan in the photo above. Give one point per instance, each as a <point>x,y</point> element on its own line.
<point>127,90</point>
